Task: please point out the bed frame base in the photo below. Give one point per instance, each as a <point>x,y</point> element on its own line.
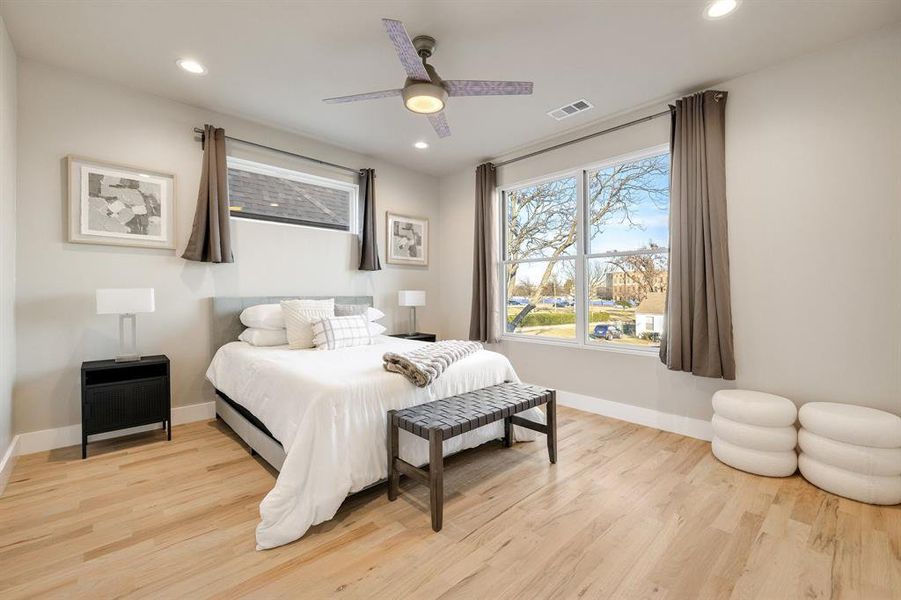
<point>268,449</point>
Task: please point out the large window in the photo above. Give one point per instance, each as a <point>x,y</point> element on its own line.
<point>585,256</point>
<point>268,193</point>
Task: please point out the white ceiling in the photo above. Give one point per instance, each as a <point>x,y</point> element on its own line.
<point>274,61</point>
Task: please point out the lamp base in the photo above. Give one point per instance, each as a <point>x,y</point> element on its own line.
<point>128,358</point>
<point>128,346</point>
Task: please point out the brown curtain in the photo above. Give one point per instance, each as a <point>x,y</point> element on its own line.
<point>210,236</point>
<point>369,250</point>
<point>698,325</point>
<point>482,324</point>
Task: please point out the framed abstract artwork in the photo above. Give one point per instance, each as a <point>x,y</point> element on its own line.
<point>120,205</point>
<point>408,240</point>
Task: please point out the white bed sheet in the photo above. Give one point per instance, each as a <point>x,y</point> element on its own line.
<point>329,408</point>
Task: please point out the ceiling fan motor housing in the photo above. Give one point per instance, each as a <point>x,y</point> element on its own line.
<point>425,45</point>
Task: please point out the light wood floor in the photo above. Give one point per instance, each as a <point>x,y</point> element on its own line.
<point>628,512</point>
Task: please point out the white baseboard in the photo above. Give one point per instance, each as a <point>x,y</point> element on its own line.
<point>688,426</point>
<point>8,462</point>
<point>61,437</point>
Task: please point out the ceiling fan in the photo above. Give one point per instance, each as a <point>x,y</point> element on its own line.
<point>424,92</point>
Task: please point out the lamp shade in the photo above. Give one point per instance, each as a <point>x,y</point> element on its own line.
<point>411,298</point>
<point>117,301</point>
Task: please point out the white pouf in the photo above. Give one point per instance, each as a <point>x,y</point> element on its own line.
<point>755,408</point>
<point>850,457</point>
<point>872,489</point>
<point>852,424</point>
<point>755,437</point>
<point>759,462</point>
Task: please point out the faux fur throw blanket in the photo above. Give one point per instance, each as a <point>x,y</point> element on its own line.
<point>424,365</point>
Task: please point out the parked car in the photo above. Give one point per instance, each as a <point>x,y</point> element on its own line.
<point>603,303</point>
<point>606,332</point>
<point>517,302</point>
<point>562,303</point>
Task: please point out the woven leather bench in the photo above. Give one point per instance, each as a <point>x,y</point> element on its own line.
<point>445,419</point>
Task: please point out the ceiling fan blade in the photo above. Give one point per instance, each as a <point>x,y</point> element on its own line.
<point>475,87</point>
<point>366,96</point>
<point>407,54</point>
<point>439,124</point>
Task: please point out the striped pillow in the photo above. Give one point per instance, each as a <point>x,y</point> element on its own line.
<point>299,318</point>
<point>341,332</point>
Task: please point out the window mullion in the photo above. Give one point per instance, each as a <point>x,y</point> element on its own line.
<point>581,293</point>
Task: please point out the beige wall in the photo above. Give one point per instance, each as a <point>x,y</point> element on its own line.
<point>62,113</point>
<point>814,192</point>
<point>7,234</point>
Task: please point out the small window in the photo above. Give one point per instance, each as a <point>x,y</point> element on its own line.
<point>267,193</point>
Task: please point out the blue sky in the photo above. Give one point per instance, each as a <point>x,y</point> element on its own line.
<point>650,222</point>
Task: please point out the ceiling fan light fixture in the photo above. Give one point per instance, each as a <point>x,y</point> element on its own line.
<point>424,98</point>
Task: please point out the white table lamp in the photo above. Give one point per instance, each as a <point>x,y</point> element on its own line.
<point>126,303</point>
<point>411,298</point>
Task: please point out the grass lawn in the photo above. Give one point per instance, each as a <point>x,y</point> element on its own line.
<point>567,330</point>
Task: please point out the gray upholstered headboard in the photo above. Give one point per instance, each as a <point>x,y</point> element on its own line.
<point>225,322</point>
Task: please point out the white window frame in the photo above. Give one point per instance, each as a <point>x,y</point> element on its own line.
<point>353,190</point>
<point>581,256</point>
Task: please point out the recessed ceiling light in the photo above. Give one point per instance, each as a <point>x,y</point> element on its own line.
<point>420,145</point>
<point>191,66</point>
<point>720,8</point>
<point>273,204</point>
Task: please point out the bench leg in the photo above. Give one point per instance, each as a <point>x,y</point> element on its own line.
<point>392,444</point>
<point>436,477</point>
<point>552,428</point>
<point>508,432</point>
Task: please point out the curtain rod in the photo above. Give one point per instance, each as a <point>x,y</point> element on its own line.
<point>199,131</point>
<point>583,138</point>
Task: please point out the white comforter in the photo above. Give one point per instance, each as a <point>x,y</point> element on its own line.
<point>328,409</point>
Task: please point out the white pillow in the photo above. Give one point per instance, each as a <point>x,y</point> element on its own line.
<point>377,329</point>
<point>263,316</point>
<point>300,316</point>
<point>341,332</point>
<point>264,337</point>
<point>346,310</point>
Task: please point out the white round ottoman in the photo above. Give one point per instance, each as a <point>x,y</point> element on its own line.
<point>852,424</point>
<point>755,408</point>
<point>872,489</point>
<point>850,457</point>
<point>754,432</point>
<point>852,451</point>
<point>758,462</point>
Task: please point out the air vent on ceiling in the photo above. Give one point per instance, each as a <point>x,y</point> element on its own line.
<point>571,109</point>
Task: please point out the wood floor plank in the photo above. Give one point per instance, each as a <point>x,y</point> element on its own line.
<point>627,512</point>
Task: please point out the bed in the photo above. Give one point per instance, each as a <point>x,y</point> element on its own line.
<point>319,417</point>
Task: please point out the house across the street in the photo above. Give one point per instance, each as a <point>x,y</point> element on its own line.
<point>649,314</point>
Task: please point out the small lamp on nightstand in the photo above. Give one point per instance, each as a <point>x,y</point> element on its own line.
<point>411,298</point>
<point>126,303</point>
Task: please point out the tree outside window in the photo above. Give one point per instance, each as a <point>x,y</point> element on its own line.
<point>603,231</point>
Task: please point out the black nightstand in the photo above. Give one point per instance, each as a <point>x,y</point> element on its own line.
<point>419,337</point>
<point>118,395</point>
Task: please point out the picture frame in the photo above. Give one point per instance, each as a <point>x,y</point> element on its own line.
<point>407,240</point>
<point>120,205</point>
